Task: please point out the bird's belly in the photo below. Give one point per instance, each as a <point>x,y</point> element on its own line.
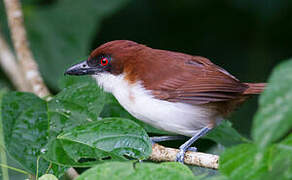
<point>173,117</point>
<point>178,118</point>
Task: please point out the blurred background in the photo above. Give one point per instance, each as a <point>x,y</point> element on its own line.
<point>247,38</point>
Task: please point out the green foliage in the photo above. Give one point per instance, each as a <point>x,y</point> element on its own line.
<point>131,171</point>
<point>32,125</point>
<point>269,156</point>
<point>274,118</point>
<point>25,128</point>
<point>113,135</point>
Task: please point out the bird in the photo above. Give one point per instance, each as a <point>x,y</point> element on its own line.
<point>176,92</point>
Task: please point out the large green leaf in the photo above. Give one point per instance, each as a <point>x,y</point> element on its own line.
<point>280,163</point>
<point>274,117</point>
<point>64,32</point>
<point>133,171</point>
<point>112,135</point>
<point>25,124</point>
<point>243,162</point>
<point>71,153</point>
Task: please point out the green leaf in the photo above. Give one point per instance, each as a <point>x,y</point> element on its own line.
<point>133,171</point>
<point>74,105</point>
<point>274,117</point>
<point>244,162</point>
<point>54,152</point>
<point>25,128</point>
<point>64,32</point>
<point>71,153</point>
<point>280,164</point>
<point>67,81</point>
<point>226,135</point>
<point>113,135</point>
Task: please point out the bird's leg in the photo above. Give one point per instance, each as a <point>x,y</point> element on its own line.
<point>184,147</point>
<point>166,138</point>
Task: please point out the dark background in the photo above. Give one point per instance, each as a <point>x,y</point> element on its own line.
<point>247,38</point>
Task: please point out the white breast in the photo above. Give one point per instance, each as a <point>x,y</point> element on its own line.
<point>178,118</point>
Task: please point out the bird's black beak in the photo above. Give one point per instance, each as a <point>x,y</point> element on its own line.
<point>82,68</point>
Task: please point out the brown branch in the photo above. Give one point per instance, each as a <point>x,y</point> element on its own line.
<point>161,153</point>
<point>24,55</point>
<point>11,68</point>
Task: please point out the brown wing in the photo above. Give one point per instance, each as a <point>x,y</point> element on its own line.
<point>191,79</point>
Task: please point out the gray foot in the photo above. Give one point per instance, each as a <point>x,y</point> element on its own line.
<point>180,156</point>
<point>193,149</point>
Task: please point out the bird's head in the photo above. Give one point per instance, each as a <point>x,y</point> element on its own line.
<point>113,57</point>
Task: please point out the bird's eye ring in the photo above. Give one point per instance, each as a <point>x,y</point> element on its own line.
<point>104,61</point>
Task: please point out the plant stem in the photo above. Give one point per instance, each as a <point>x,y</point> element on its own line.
<point>3,158</point>
<point>15,169</point>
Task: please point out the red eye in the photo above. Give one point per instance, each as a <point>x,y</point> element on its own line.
<point>104,61</point>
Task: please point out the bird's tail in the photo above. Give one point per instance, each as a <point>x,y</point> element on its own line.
<point>254,88</point>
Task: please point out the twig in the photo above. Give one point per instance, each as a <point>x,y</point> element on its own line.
<point>161,153</point>
<point>11,68</point>
<point>27,63</point>
<point>72,174</point>
<point>24,55</point>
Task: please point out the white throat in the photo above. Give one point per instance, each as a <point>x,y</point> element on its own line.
<point>178,118</point>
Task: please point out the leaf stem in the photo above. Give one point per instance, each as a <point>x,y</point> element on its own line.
<point>3,158</point>
<point>15,169</point>
<point>37,170</point>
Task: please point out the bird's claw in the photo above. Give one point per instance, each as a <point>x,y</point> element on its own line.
<point>180,156</point>
<point>193,149</point>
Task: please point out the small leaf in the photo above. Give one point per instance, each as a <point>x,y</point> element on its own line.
<point>130,171</point>
<point>226,135</point>
<point>274,117</point>
<point>112,135</point>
